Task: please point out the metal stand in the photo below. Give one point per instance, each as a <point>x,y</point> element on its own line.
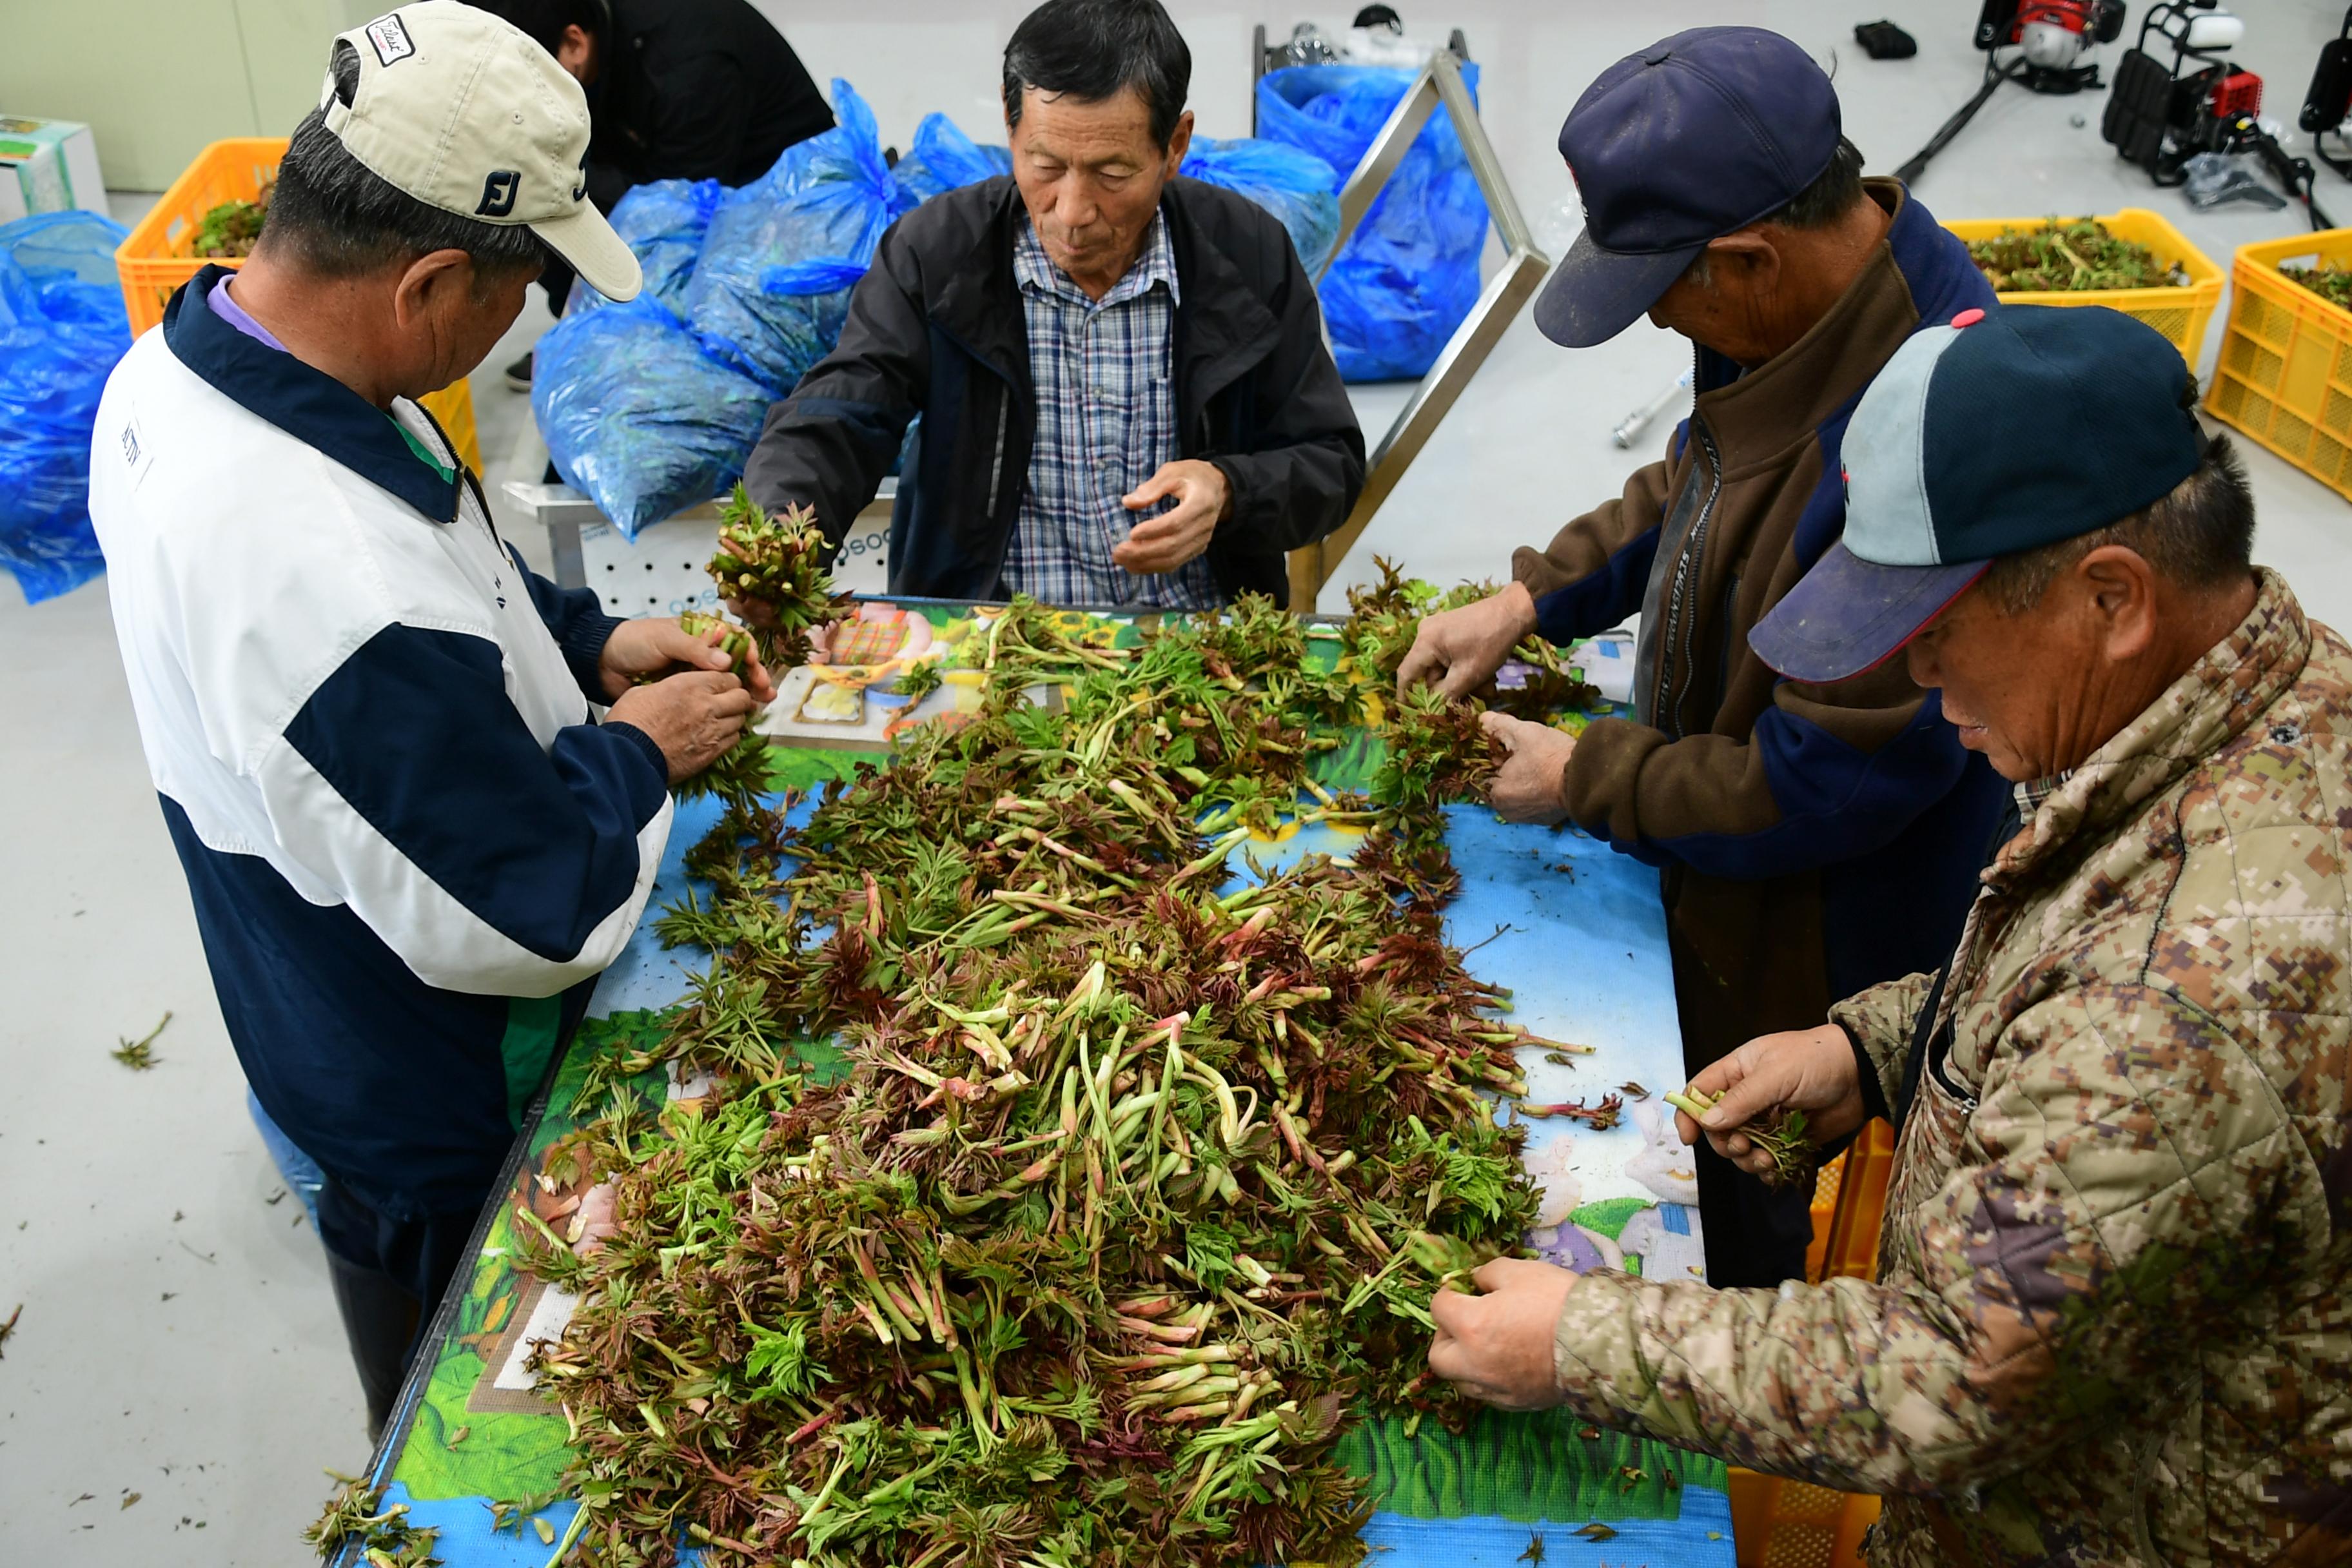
<point>1513,285</point>
<point>661,572</point>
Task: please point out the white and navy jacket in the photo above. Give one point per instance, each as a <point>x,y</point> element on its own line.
<point>411,846</point>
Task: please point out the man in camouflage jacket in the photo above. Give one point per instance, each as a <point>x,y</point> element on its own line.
<point>2110,1323</point>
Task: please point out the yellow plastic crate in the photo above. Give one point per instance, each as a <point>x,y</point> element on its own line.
<point>2181,314</point>
<point>2284,377</point>
<point>1849,1200</point>
<point>156,261</point>
<point>1790,1525</point>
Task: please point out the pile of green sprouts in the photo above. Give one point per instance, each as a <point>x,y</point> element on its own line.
<point>1138,1168</point>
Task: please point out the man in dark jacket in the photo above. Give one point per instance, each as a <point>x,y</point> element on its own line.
<point>678,89</point>
<point>1812,840</point>
<point>1124,392</point>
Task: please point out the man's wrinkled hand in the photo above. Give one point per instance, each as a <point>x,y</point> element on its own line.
<point>1532,784</point>
<point>1460,650</point>
<point>1203,497</point>
<point>693,717</point>
<point>1497,1347</point>
<point>1811,1070</point>
<point>651,648</point>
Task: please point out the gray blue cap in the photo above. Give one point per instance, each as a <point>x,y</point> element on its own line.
<point>2005,430</point>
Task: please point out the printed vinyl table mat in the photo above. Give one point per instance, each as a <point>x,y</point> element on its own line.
<point>1575,932</point>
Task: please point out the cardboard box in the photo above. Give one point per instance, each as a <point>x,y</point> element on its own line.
<point>49,165</point>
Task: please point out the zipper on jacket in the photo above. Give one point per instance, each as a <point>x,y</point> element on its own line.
<point>996,467</point>
<point>1723,658</point>
<point>2143,1491</point>
<point>1680,624</point>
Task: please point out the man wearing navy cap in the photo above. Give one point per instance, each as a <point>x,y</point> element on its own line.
<point>1812,841</point>
<point>2109,1323</point>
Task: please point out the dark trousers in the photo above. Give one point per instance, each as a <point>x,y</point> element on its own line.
<point>389,1275</point>
<point>1753,1234</point>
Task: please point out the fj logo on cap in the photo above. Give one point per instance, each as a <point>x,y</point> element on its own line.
<point>390,37</point>
<point>498,194</point>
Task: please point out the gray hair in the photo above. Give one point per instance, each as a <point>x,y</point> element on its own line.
<point>1832,194</point>
<point>336,217</point>
<point>2200,536</point>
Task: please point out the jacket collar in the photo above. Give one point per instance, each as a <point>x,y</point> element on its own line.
<point>1757,415</point>
<point>2218,699</point>
<point>307,404</point>
<point>1222,328</point>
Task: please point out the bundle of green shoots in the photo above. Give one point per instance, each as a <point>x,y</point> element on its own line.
<point>1131,1182</point>
<point>742,771</point>
<point>774,568</point>
<point>2329,281</point>
<point>2069,256</point>
<point>1793,1150</point>
<point>231,228</point>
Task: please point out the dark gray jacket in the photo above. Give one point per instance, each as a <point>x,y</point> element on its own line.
<point>935,329</point>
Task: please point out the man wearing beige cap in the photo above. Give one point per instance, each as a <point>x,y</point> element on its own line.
<point>410,842</point>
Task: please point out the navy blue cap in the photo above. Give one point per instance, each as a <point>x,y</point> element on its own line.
<point>1696,137</point>
<point>2006,430</point>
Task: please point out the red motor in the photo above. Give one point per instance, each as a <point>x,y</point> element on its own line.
<point>2237,94</point>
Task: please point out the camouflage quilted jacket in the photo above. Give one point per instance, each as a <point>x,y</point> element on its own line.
<point>2113,1320</point>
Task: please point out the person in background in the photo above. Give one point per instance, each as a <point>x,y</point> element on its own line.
<point>1125,395</point>
<point>2108,1324</point>
<point>678,89</point>
<point>1811,841</point>
<point>410,842</point>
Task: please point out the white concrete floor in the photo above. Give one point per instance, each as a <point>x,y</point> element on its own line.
<point>178,1340</point>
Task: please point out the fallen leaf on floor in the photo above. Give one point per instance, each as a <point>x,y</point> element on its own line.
<point>129,1498</point>
<point>546,1531</point>
<point>10,1326</point>
<point>272,1199</point>
<point>86,1496</point>
<point>459,1436</point>
<point>169,1294</point>
<point>1597,1531</point>
<point>137,1055</point>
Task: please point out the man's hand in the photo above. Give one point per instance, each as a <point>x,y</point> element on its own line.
<point>599,1220</point>
<point>1461,649</point>
<point>1531,786</point>
<point>1811,1070</point>
<point>1164,544</point>
<point>693,717</point>
<point>1498,1347</point>
<point>663,647</point>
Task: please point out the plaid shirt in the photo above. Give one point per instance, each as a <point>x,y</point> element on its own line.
<point>1105,423</point>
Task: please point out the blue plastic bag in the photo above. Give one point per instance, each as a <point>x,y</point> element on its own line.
<point>638,415</point>
<point>1292,184</point>
<point>62,328</point>
<point>942,159</point>
<point>771,289</point>
<point>1409,275</point>
<point>664,222</point>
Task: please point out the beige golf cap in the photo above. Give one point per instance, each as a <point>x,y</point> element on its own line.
<point>461,110</point>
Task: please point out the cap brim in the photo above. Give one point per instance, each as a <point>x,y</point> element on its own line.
<point>1595,294</point>
<point>1846,616</point>
<point>601,256</point>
